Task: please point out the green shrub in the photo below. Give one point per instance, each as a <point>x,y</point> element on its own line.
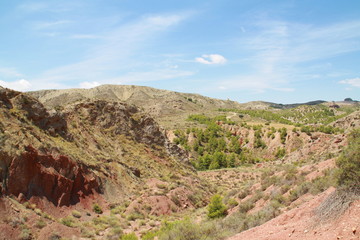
<point>40,223</point>
<point>97,209</point>
<point>280,153</point>
<point>130,236</point>
<point>76,214</point>
<point>25,234</point>
<point>232,203</point>
<point>349,163</point>
<point>216,207</point>
<point>68,221</point>
<point>180,230</point>
<point>246,206</point>
<point>244,193</point>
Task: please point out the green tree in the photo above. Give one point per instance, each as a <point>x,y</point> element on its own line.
<point>231,160</point>
<point>214,164</point>
<point>216,208</point>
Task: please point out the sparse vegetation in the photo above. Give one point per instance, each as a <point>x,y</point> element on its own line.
<point>349,163</point>
<point>130,236</point>
<point>250,159</point>
<point>69,221</point>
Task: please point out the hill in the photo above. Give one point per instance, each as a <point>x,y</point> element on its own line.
<point>84,170</point>
<point>94,163</point>
<point>169,108</point>
<point>165,106</point>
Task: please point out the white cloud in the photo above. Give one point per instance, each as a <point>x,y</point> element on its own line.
<point>89,84</point>
<point>211,59</point>
<point>355,82</point>
<point>20,85</point>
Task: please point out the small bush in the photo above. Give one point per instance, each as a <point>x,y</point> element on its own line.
<point>180,230</point>
<point>76,214</point>
<point>246,206</point>
<point>68,221</point>
<point>25,235</point>
<point>97,209</point>
<point>40,223</point>
<point>349,163</point>
<point>232,203</point>
<point>280,153</point>
<point>244,193</point>
<point>130,236</point>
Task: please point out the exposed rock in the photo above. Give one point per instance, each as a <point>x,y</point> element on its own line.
<point>349,122</point>
<point>125,119</point>
<point>60,180</point>
<point>53,121</point>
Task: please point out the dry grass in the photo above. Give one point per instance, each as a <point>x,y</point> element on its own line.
<point>335,205</point>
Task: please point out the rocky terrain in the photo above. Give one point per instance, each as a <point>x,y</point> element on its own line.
<point>96,164</point>
<point>94,152</point>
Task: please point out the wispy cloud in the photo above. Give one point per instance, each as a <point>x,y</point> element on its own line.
<point>20,85</point>
<point>52,24</point>
<point>112,56</point>
<point>354,82</point>
<point>211,59</point>
<point>274,50</point>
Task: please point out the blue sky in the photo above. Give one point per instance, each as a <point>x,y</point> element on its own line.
<point>244,50</point>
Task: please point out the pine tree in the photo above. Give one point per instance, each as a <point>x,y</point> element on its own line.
<point>216,208</point>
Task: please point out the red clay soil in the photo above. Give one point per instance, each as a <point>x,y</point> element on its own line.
<point>301,224</point>
<point>60,180</point>
<point>57,229</point>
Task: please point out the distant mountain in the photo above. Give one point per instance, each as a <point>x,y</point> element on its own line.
<point>294,105</point>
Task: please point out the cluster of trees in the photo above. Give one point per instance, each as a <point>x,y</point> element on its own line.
<point>322,128</point>
<point>213,146</point>
<point>258,143</point>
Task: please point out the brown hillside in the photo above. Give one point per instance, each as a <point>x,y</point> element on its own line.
<point>89,152</point>
<point>164,105</point>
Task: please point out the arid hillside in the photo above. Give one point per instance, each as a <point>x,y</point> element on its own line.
<point>165,106</point>
<point>129,162</point>
<point>91,157</point>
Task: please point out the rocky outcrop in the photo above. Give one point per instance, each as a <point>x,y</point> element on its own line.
<point>124,119</point>
<point>59,179</point>
<point>53,122</point>
<point>349,122</point>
